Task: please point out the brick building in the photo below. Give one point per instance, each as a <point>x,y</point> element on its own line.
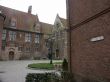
<point>59,34</point>
<point>21,35</point>
<point>47,32</point>
<point>89,37</point>
<point>2,18</point>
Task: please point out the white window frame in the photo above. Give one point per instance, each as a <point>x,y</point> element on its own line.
<point>27,37</point>
<point>37,38</point>
<point>12,35</point>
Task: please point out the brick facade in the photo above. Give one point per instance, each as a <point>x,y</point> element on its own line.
<point>89,22</point>
<point>2,17</point>
<point>47,32</point>
<point>22,36</point>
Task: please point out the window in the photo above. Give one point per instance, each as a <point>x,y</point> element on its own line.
<point>28,49</point>
<point>37,38</point>
<point>3,45</point>
<point>20,35</point>
<point>12,35</point>
<point>27,37</point>
<point>20,48</point>
<point>13,23</point>
<point>4,35</point>
<point>36,47</point>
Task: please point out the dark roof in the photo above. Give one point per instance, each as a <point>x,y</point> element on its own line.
<point>24,21</point>
<point>46,28</point>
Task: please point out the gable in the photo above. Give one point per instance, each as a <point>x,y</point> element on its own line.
<point>59,24</point>
<point>24,21</point>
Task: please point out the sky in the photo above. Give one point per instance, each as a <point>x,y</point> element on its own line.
<point>45,9</point>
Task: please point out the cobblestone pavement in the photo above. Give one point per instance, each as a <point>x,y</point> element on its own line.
<point>16,71</point>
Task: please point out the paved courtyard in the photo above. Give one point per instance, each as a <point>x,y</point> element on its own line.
<point>16,71</point>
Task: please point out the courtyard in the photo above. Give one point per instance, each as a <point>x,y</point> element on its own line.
<point>16,71</point>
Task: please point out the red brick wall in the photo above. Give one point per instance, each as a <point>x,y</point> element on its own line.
<point>1,27</point>
<point>90,60</point>
<point>80,10</point>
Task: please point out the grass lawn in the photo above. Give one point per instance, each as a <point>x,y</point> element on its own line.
<point>43,65</point>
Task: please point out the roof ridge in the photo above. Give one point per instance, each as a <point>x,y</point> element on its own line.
<point>17,10</point>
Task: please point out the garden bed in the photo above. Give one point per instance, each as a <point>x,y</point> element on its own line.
<point>47,66</point>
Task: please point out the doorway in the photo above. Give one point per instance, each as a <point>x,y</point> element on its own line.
<point>11,55</point>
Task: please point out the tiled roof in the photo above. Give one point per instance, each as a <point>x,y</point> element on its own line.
<point>24,21</point>
<point>46,28</point>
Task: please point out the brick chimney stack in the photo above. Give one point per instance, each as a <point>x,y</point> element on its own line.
<point>30,9</point>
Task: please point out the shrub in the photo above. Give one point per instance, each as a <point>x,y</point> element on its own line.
<point>67,77</point>
<point>42,77</point>
<point>65,65</point>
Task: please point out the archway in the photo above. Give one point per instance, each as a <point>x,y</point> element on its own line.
<point>11,55</point>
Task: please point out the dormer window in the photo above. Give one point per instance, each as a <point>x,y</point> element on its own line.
<point>13,23</point>
<point>37,28</point>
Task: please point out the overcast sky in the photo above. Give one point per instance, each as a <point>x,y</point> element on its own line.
<point>45,9</point>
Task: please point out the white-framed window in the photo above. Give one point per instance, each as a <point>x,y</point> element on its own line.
<point>12,35</point>
<point>37,38</point>
<point>4,35</point>
<point>27,37</point>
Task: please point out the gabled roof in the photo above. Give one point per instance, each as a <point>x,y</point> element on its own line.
<point>60,20</point>
<point>46,28</point>
<point>24,21</point>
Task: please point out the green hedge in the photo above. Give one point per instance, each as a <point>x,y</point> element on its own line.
<point>50,77</point>
<point>42,77</point>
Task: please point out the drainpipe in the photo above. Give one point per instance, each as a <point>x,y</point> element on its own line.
<point>69,36</point>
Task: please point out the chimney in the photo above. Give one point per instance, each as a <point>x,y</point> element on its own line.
<point>29,9</point>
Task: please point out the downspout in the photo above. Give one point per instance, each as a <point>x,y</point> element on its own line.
<point>69,36</point>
